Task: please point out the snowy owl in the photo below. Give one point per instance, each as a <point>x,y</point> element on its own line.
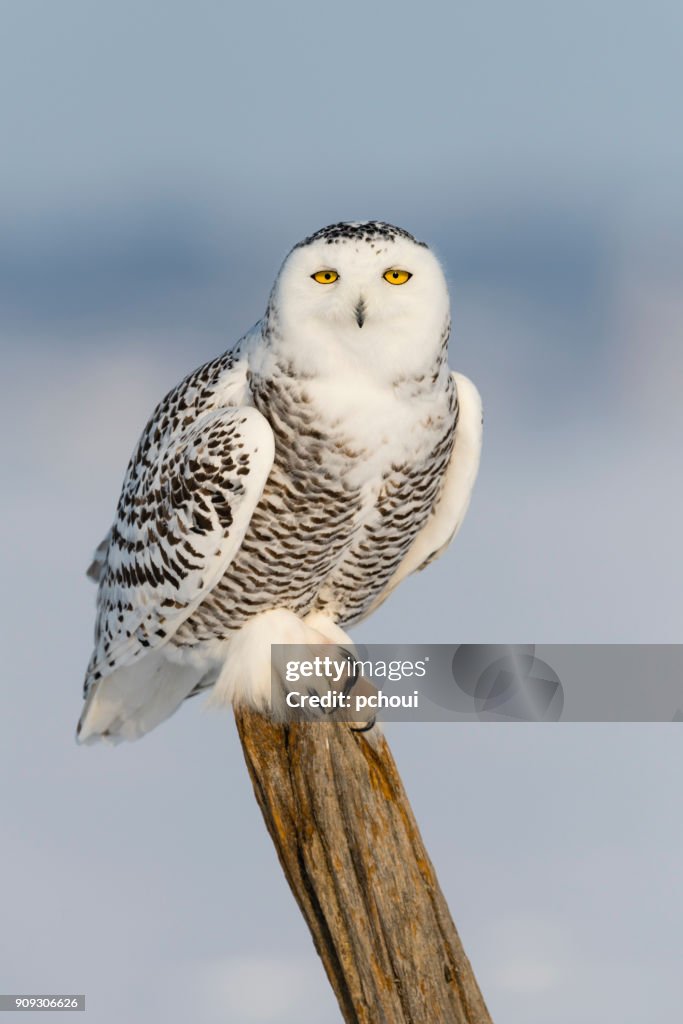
<point>283,490</point>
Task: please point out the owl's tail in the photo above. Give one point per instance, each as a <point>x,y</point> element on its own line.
<point>135,699</point>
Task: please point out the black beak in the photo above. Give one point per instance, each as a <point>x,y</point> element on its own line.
<point>360,312</point>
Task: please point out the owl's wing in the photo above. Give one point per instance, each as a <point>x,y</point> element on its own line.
<point>186,503</point>
<point>99,561</point>
<point>454,497</point>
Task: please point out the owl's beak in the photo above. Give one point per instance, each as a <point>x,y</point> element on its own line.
<point>359,311</point>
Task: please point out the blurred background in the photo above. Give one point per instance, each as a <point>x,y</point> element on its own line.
<point>158,161</point>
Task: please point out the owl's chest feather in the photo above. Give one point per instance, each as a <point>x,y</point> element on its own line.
<point>349,490</point>
<point>354,436</point>
<point>351,485</point>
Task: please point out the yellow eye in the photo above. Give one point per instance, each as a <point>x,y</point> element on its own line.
<point>394,276</point>
<point>326,276</point>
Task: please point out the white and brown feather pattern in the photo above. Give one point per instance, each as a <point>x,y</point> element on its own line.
<point>191,486</point>
<point>316,542</point>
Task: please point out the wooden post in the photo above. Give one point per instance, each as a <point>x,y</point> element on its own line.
<point>348,843</point>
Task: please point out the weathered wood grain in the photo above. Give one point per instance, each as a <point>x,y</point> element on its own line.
<point>348,843</point>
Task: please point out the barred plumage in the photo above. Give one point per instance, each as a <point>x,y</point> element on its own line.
<point>299,476</point>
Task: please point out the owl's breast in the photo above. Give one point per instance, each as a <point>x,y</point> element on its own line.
<point>342,504</point>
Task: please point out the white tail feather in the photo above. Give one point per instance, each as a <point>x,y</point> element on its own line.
<point>133,700</point>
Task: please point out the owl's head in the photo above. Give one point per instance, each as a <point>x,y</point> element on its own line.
<point>361,293</point>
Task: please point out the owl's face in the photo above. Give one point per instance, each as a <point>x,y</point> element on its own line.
<point>367,293</point>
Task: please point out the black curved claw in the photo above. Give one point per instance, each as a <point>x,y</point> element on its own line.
<point>367,727</point>
<point>352,680</point>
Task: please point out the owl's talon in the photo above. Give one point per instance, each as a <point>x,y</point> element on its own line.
<point>353,679</point>
<point>365,728</point>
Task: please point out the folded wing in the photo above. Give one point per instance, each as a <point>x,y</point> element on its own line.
<point>181,518</point>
